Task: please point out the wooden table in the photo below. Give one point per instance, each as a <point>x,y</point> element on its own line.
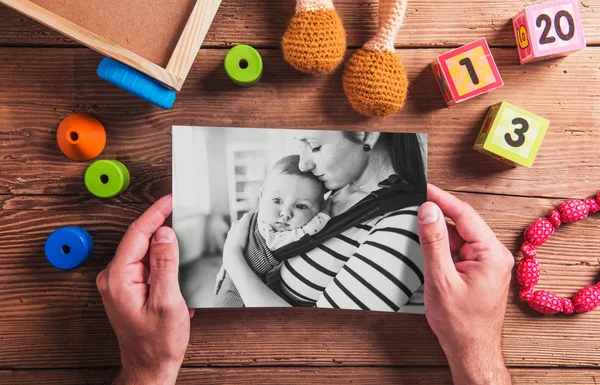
<point>53,328</point>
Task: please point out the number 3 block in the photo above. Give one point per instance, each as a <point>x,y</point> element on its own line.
<point>548,30</point>
<point>466,72</point>
<point>511,134</point>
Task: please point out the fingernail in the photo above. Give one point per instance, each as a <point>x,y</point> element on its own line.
<point>164,235</point>
<point>429,212</point>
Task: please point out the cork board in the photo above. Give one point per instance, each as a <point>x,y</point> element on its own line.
<point>148,28</point>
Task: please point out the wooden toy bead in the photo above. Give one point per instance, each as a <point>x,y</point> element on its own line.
<point>528,250</point>
<point>573,210</point>
<point>244,65</point>
<point>81,136</point>
<point>528,273</point>
<point>554,218</point>
<point>68,247</point>
<point>107,178</point>
<point>539,231</point>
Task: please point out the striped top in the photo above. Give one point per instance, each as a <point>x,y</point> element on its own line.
<point>376,265</point>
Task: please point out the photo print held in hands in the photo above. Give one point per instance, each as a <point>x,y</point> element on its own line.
<point>312,218</point>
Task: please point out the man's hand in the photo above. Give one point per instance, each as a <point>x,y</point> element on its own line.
<point>140,292</point>
<point>467,275</point>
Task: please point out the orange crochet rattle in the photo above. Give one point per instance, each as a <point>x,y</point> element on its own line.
<point>374,79</point>
<point>528,272</point>
<point>315,40</point>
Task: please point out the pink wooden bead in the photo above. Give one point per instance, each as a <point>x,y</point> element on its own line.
<point>528,250</point>
<point>573,210</point>
<point>546,302</point>
<point>587,299</point>
<point>528,273</point>
<point>539,231</point>
<point>554,218</point>
<point>593,205</point>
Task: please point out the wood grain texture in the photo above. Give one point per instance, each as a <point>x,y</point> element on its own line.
<point>31,106</point>
<point>261,23</point>
<point>67,326</point>
<point>308,376</point>
<point>188,45</point>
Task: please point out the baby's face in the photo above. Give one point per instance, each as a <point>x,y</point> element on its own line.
<point>290,201</point>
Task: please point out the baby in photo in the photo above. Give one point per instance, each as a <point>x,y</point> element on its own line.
<point>291,206</point>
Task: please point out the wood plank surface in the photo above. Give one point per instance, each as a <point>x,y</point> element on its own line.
<point>261,23</point>
<point>31,106</point>
<point>52,323</point>
<point>66,324</point>
<point>308,376</point>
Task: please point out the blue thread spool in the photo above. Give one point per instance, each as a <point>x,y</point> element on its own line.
<point>68,247</point>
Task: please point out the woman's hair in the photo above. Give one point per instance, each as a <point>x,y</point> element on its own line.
<point>405,153</point>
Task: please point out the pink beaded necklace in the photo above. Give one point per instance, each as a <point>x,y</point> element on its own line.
<point>528,272</point>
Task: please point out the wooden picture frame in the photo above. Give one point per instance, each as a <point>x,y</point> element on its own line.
<point>172,76</point>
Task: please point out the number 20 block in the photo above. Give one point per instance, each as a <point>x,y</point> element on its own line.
<point>466,72</point>
<point>511,134</point>
<point>548,30</point>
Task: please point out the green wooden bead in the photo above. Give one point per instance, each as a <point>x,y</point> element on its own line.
<point>243,65</point>
<point>107,178</point>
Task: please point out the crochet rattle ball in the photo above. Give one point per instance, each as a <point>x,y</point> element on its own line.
<point>374,78</point>
<point>315,40</point>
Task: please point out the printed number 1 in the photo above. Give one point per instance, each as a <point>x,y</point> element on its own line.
<point>469,64</point>
<point>519,132</point>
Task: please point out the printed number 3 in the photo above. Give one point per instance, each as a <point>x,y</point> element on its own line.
<point>518,131</point>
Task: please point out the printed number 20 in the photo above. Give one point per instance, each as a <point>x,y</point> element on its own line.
<point>518,131</point>
<point>543,18</point>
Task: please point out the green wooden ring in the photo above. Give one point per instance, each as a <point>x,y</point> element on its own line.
<point>107,178</point>
<point>244,65</point>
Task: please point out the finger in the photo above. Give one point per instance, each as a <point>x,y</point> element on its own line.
<point>435,244</point>
<point>134,245</point>
<point>192,312</point>
<point>456,241</point>
<point>470,226</point>
<point>164,267</point>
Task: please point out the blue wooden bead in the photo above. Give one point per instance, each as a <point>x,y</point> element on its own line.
<point>68,247</point>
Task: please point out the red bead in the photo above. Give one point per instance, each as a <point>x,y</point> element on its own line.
<point>546,302</point>
<point>587,299</point>
<point>526,294</point>
<point>528,250</point>
<point>593,206</point>
<point>539,231</point>
<point>573,210</point>
<point>554,218</point>
<point>567,306</point>
<point>528,273</point>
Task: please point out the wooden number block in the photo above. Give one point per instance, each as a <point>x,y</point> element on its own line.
<point>466,72</point>
<point>511,134</point>
<point>548,30</point>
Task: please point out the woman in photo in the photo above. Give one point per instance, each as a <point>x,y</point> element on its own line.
<point>368,255</point>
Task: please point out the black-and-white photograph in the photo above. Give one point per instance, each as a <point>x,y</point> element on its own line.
<point>312,218</point>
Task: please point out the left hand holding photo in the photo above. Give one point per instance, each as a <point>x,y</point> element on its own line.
<point>141,295</point>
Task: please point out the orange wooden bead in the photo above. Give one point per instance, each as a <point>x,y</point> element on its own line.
<point>81,136</point>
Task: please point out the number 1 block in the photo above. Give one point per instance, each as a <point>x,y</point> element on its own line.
<point>548,30</point>
<point>511,134</point>
<point>466,72</point>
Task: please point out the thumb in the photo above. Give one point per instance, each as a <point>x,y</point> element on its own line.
<point>164,266</point>
<point>435,244</point>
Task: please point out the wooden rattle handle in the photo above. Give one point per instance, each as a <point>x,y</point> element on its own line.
<point>313,5</point>
<point>391,17</point>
